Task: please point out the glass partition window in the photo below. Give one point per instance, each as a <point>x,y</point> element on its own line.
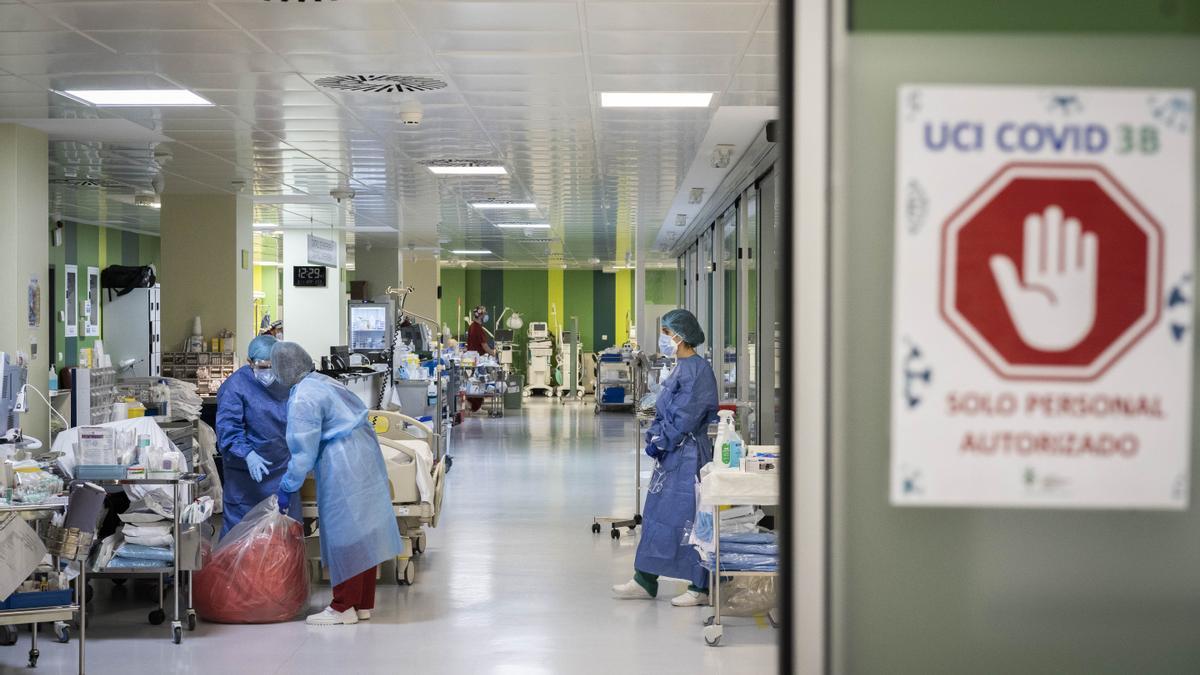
<point>748,278</point>
<point>728,231</point>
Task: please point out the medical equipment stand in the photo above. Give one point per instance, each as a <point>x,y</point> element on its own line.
<point>617,522</point>
<point>58,614</point>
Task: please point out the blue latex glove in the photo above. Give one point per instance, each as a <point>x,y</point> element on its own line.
<point>257,466</point>
<point>285,500</point>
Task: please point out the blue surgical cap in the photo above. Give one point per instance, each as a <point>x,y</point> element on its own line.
<point>684,324</point>
<point>260,347</point>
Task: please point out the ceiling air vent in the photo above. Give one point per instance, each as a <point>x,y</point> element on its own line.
<point>381,84</point>
<point>85,182</point>
<point>458,163</point>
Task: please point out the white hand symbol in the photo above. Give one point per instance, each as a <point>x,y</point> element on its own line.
<point>1054,304</point>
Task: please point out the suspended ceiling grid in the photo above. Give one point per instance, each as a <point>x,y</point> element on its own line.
<point>523,89</point>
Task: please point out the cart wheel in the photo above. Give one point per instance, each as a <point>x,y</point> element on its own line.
<point>62,632</point>
<point>633,527</point>
<point>637,519</point>
<point>191,621</point>
<point>712,635</point>
<point>595,528</point>
<point>8,635</point>
<point>33,657</point>
<point>419,544</point>
<point>157,616</point>
<point>177,634</point>
<point>409,574</point>
<point>616,534</point>
<point>89,592</point>
<point>449,462</point>
<point>710,620</point>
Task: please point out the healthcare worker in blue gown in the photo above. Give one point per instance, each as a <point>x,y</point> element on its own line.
<point>678,440</point>
<point>251,420</point>
<point>328,432</point>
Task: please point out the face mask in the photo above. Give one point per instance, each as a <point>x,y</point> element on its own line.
<point>666,345</point>
<point>486,318</point>
<point>265,376</point>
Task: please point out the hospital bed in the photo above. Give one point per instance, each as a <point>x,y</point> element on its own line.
<point>407,445</point>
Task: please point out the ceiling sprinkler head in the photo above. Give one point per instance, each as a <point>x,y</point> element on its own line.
<point>722,155</point>
<point>410,113</point>
<point>680,219</point>
<point>696,195</point>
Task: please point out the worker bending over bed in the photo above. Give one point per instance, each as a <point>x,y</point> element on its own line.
<point>329,435</point>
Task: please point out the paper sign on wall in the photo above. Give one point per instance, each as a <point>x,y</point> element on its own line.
<point>91,313</point>
<point>322,251</point>
<point>1044,278</point>
<point>71,300</point>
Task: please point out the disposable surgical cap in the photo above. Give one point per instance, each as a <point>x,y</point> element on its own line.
<point>684,324</point>
<point>290,363</point>
<point>260,347</point>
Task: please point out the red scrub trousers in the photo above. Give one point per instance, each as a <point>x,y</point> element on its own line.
<point>358,592</point>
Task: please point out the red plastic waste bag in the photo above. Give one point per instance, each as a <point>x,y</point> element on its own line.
<point>258,573</point>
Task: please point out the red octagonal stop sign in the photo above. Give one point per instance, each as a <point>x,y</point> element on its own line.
<point>1051,271</point>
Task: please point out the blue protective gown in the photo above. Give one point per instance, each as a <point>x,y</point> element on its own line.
<point>678,439</point>
<point>249,417</point>
<point>330,436</point>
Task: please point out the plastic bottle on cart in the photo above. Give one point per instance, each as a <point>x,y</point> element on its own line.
<point>729,446</point>
<point>431,393</point>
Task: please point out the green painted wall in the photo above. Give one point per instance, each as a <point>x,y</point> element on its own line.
<point>1042,16</point>
<point>588,294</point>
<point>90,246</point>
<point>662,287</point>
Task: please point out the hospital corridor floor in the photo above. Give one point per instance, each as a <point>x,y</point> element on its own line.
<point>512,582</point>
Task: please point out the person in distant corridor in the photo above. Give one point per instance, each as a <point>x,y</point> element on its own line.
<point>477,341</point>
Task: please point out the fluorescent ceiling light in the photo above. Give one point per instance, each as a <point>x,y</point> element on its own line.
<point>509,206</point>
<point>267,263</point>
<point>481,251</point>
<point>264,226</point>
<point>655,99</point>
<point>489,170</point>
<point>524,226</point>
<point>138,97</point>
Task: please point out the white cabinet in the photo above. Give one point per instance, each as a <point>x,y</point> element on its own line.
<point>133,330</point>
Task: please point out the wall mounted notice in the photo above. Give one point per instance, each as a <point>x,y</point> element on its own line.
<point>322,251</point>
<point>1044,281</point>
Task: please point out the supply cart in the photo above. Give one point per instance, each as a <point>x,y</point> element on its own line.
<point>644,420</point>
<point>732,488</point>
<point>186,550</point>
<point>60,611</point>
<point>614,382</point>
<point>70,542</point>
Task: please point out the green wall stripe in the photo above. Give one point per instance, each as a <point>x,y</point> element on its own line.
<point>577,296</point>
<point>604,302</point>
<point>129,249</point>
<point>1067,16</point>
<point>491,292</point>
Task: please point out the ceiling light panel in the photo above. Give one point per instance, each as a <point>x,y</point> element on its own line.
<point>655,99</point>
<point>139,97</point>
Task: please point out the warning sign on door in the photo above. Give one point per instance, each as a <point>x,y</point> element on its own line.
<point>1044,289</point>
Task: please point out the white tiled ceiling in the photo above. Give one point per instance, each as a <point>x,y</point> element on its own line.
<point>523,89</point>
